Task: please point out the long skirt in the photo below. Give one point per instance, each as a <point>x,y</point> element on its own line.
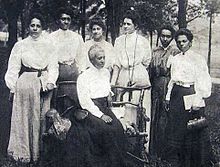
<point>28,118</point>
<point>185,147</point>
<point>66,95</point>
<point>158,115</point>
<point>93,143</point>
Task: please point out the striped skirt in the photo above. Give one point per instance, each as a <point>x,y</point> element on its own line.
<point>185,147</point>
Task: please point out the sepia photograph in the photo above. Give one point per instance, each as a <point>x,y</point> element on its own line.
<point>109,83</point>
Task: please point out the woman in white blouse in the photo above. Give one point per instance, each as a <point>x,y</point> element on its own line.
<point>130,69</point>
<point>31,76</point>
<point>99,139</point>
<point>189,85</point>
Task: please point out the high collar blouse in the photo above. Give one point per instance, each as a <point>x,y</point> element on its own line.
<point>132,49</point>
<point>91,84</point>
<point>190,68</point>
<point>68,46</point>
<point>32,53</point>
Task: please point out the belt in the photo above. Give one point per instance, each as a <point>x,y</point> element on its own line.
<point>30,69</point>
<point>183,84</point>
<point>69,63</point>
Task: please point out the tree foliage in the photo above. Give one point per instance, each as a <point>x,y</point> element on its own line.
<point>212,6</point>
<point>153,13</point>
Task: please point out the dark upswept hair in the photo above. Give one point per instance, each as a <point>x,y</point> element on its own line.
<point>186,32</point>
<point>97,21</point>
<point>64,10</point>
<point>38,16</point>
<point>131,14</point>
<point>167,27</point>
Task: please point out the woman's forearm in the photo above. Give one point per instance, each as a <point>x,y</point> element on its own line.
<point>115,74</point>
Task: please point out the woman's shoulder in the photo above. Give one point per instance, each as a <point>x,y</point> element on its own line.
<point>107,44</point>
<point>89,43</point>
<point>197,58</point>
<point>121,37</point>
<point>84,75</point>
<point>22,42</point>
<point>143,39</point>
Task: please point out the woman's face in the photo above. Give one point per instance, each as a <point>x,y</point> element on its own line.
<point>65,21</point>
<point>97,32</point>
<point>99,60</point>
<point>183,43</point>
<point>35,28</point>
<point>128,26</point>
<point>165,37</point>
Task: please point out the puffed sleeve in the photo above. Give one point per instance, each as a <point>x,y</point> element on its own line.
<point>146,51</point>
<point>110,55</point>
<point>117,48</point>
<point>84,97</point>
<point>80,61</point>
<point>53,67</point>
<point>153,68</point>
<point>203,82</point>
<point>14,66</point>
<point>170,61</point>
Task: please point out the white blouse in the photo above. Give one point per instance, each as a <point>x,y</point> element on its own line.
<point>92,84</point>
<point>108,49</point>
<point>36,54</point>
<point>190,68</point>
<point>132,49</point>
<point>68,46</point>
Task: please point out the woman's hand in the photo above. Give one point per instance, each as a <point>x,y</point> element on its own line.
<point>109,100</point>
<point>196,108</point>
<point>130,130</point>
<point>11,97</point>
<point>49,87</point>
<point>167,105</point>
<point>106,118</point>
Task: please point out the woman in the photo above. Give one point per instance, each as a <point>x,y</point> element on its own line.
<point>160,77</point>
<point>97,29</point>
<point>68,49</point>
<point>98,139</point>
<point>130,68</point>
<point>190,83</point>
<point>31,76</point>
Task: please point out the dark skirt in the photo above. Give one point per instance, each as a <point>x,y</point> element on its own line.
<point>66,94</point>
<point>158,115</point>
<point>93,143</point>
<point>185,148</point>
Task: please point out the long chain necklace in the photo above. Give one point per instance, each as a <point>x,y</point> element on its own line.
<point>131,70</point>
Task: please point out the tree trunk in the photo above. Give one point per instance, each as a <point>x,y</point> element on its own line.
<point>83,18</point>
<point>13,9</point>
<point>113,18</point>
<point>182,13</point>
<point>151,39</point>
<point>12,29</point>
<point>210,42</point>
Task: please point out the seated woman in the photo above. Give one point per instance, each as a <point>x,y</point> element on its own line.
<point>97,140</point>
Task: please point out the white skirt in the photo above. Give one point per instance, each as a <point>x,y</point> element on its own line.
<point>28,118</point>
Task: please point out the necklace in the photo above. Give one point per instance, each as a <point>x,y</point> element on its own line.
<point>131,67</point>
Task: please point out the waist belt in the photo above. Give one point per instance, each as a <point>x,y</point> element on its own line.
<point>29,69</point>
<point>69,63</point>
<point>186,85</point>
